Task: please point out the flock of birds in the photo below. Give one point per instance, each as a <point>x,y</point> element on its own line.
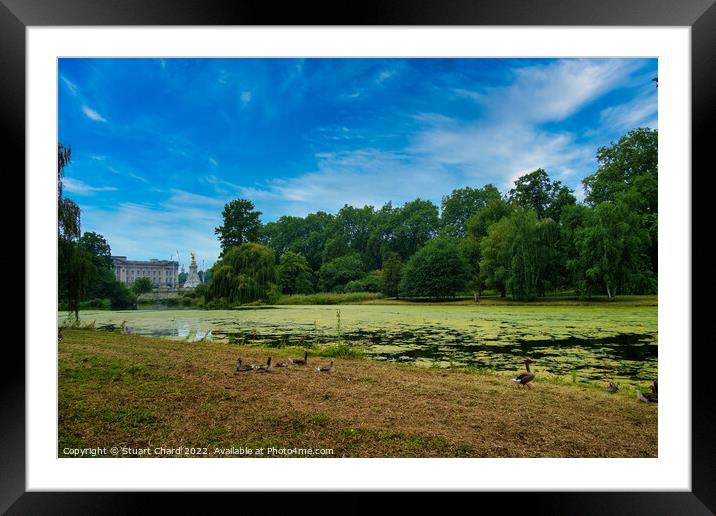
<point>525,378</point>
<point>268,367</point>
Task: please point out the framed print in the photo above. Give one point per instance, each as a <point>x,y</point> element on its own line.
<point>410,249</point>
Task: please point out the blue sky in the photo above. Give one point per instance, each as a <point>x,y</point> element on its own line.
<point>160,145</point>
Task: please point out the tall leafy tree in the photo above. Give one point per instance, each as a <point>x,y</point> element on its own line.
<point>415,223</point>
<point>97,246</point>
<point>536,191</point>
<point>462,204</point>
<point>294,275</point>
<point>628,171</point>
<point>245,274</point>
<point>340,271</point>
<point>75,267</point>
<point>612,247</point>
<point>437,270</point>
<point>392,272</point>
<point>521,254</point>
<point>142,286</point>
<point>242,224</point>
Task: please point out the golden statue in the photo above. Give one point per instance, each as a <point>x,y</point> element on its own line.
<point>193,258</point>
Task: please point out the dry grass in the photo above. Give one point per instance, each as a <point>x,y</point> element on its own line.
<point>124,390</point>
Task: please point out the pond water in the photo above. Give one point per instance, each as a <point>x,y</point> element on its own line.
<point>586,343</point>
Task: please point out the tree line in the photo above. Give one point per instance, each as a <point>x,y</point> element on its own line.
<point>530,241</point>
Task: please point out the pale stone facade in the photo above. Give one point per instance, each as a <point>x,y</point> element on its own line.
<point>163,273</point>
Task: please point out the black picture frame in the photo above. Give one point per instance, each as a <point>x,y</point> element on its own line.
<point>700,15</point>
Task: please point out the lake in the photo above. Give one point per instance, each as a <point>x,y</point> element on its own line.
<point>583,343</point>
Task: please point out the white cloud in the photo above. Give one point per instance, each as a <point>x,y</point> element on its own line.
<point>92,114</point>
<point>245,97</point>
<point>71,86</point>
<point>553,92</point>
<point>78,187</point>
<point>213,161</point>
<point>637,113</point>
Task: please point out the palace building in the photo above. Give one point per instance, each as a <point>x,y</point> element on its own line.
<point>163,273</point>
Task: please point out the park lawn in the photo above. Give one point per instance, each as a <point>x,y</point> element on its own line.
<point>132,391</point>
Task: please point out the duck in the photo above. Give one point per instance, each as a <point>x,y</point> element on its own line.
<point>526,377</point>
<point>300,361</point>
<point>613,387</point>
<point>648,397</point>
<point>265,368</point>
<point>326,369</point>
<point>240,368</point>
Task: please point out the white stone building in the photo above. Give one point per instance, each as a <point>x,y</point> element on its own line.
<point>163,273</point>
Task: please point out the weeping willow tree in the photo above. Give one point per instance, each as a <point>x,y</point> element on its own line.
<point>246,274</point>
<point>75,267</point>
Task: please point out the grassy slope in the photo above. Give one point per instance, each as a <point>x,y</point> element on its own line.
<point>126,390</point>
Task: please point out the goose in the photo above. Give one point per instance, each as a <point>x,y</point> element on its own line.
<point>526,377</point>
<point>649,397</point>
<point>326,369</point>
<point>300,361</point>
<point>613,387</point>
<point>265,368</point>
<point>281,364</point>
<point>240,368</point>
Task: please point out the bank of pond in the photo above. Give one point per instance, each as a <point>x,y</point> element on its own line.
<point>579,344</point>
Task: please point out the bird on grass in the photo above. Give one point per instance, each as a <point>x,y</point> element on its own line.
<point>281,364</point>
<point>59,335</point>
<point>240,368</point>
<point>265,368</point>
<point>300,361</point>
<point>613,387</point>
<point>525,377</point>
<point>648,397</point>
<point>326,369</point>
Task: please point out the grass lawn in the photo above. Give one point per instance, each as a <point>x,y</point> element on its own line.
<point>132,391</point>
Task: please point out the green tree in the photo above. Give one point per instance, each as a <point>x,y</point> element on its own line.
<point>611,247</point>
<point>241,224</point>
<point>371,282</point>
<point>634,155</point>
<point>97,246</point>
<point>182,277</point>
<point>74,264</point>
<point>494,210</point>
<point>438,270</point>
<point>142,286</point>
<point>416,222</point>
<point>628,172</point>
<point>294,275</point>
<point>535,190</point>
<point>462,204</point>
<point>340,271</point>
<point>245,274</point>
<point>392,273</point>
<point>521,253</point>
<point>496,256</point>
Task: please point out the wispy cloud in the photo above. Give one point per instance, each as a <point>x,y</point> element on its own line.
<point>78,187</point>
<point>92,114</point>
<point>639,112</point>
<point>71,86</point>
